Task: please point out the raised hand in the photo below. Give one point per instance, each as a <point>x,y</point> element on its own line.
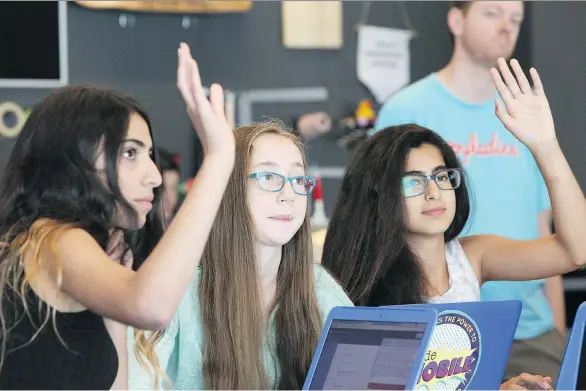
<point>526,113</point>
<point>207,116</point>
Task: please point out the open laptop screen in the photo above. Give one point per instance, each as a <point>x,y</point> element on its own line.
<point>367,355</point>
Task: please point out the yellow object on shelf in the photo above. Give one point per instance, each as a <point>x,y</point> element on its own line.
<point>364,114</point>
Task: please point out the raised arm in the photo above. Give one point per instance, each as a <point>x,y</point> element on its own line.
<point>528,117</point>
<point>148,298</point>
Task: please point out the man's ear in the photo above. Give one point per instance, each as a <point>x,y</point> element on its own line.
<point>456,21</point>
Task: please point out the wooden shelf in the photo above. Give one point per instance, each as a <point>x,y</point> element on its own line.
<point>175,7</point>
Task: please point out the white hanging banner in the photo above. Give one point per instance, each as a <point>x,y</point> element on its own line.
<point>383,60</point>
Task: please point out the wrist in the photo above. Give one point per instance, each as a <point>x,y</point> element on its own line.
<point>545,150</point>
<point>221,160</point>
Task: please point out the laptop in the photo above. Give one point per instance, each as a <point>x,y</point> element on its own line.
<point>470,345</point>
<point>368,348</point>
<point>573,371</point>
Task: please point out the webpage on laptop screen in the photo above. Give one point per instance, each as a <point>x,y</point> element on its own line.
<point>365,355</point>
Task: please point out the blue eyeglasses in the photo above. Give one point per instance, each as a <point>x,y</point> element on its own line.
<point>415,184</point>
<point>273,182</point>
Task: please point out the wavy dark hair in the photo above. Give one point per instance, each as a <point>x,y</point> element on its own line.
<point>365,246</point>
<point>50,183</point>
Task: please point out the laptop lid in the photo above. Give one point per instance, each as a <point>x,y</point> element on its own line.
<point>366,348</point>
<point>470,345</point>
<point>573,371</point>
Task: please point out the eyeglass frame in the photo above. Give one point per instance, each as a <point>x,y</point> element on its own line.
<point>432,177</point>
<point>285,180</point>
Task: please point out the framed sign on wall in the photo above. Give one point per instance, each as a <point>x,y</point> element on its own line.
<point>33,44</point>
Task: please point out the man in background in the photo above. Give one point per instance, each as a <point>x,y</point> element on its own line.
<point>511,199</point>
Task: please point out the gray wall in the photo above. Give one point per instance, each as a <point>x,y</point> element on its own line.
<point>242,51</point>
<point>559,55</point>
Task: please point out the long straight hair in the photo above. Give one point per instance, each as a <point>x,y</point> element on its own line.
<point>234,323</point>
<point>366,243</point>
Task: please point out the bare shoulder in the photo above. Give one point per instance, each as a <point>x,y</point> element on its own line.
<point>80,270</point>
<point>57,231</point>
<point>477,246</point>
<point>46,243</point>
<point>67,239</point>
<point>63,249</point>
<point>48,239</point>
<point>474,246</point>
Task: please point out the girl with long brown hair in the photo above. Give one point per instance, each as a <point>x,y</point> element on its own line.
<point>79,209</point>
<point>254,312</point>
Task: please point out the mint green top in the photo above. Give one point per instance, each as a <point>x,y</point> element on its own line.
<point>180,350</point>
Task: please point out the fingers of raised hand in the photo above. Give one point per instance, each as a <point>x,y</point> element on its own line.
<point>196,86</point>
<point>501,87</point>
<point>217,100</point>
<point>509,79</point>
<point>189,81</point>
<point>521,78</point>
<point>503,115</point>
<point>184,79</point>
<point>537,85</point>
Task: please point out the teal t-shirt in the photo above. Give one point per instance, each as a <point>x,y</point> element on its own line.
<point>507,189</point>
<point>180,350</point>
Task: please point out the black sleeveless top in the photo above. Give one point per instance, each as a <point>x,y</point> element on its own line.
<point>87,361</point>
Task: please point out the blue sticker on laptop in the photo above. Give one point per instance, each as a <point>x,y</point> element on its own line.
<point>453,355</point>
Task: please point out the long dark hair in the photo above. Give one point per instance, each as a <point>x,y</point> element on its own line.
<point>365,246</point>
<point>51,176</point>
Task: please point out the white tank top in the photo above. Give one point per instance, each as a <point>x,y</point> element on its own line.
<point>463,281</point>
